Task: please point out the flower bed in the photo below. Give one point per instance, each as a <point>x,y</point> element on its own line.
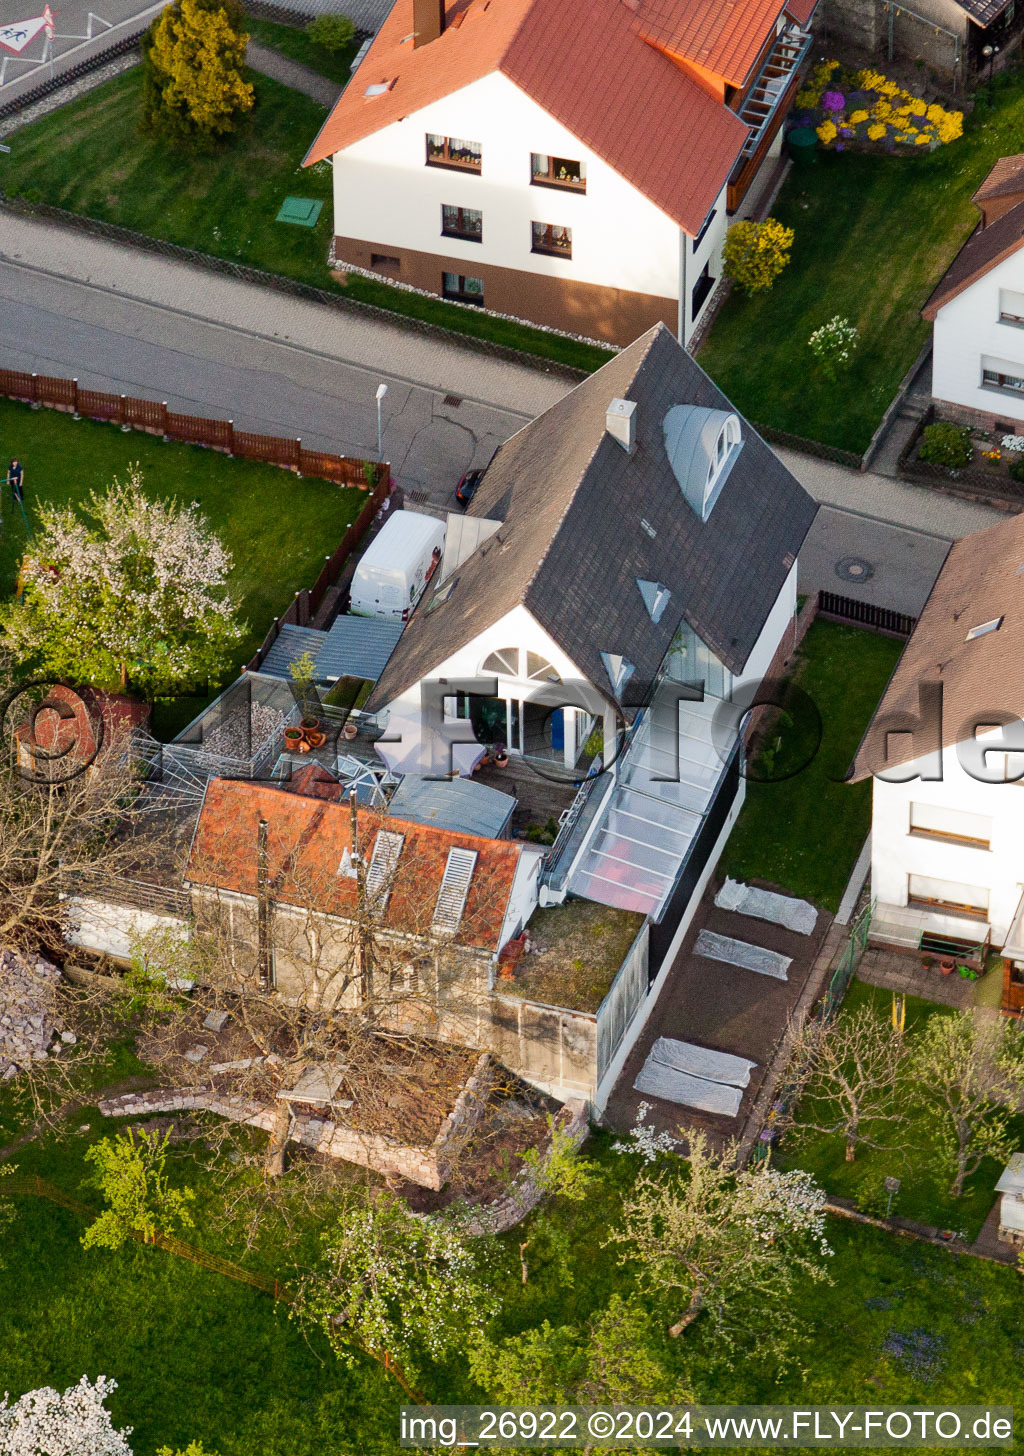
<point>865,111</point>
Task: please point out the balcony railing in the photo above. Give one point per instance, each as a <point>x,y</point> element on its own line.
<point>761,104</point>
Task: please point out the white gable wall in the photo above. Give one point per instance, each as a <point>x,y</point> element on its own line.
<point>968,333</point>
<point>518,628</point>
<point>384,191</point>
<point>896,853</point>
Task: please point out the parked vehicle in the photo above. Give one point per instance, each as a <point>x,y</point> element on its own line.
<point>468,487</point>
<point>396,566</point>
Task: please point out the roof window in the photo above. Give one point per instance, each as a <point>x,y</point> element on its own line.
<point>379,88</point>
<point>984,629</point>
<point>451,898</point>
<point>381,871</point>
<point>655,597</point>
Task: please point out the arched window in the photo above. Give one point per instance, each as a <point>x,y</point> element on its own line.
<point>504,663</point>
<point>728,439</point>
<point>538,669</point>
<point>509,662</point>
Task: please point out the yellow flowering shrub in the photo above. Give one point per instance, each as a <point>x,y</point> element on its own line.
<point>827,132</point>
<point>807,100</point>
<point>882,110</point>
<point>889,88</point>
<point>876,131</point>
<point>935,113</point>
<point>917,106</point>
<point>923,138</point>
<point>891,112</point>
<point>870,80</point>
<point>755,253</point>
<point>856,117</point>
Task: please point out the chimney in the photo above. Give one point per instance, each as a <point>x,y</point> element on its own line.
<point>427,21</point>
<point>621,423</point>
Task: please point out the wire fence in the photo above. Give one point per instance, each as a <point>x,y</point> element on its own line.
<point>843,970</point>
<point>33,1186</point>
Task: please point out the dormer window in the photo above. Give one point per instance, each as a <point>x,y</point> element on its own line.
<point>728,441</point>
<point>702,445</point>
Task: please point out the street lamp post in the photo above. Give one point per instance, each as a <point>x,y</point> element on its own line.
<point>382,390</point>
<point>990,52</point>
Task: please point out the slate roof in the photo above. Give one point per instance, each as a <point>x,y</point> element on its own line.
<point>574,540</point>
<point>544,47</point>
<point>354,647</point>
<point>306,840</point>
<point>983,250</point>
<point>982,580</point>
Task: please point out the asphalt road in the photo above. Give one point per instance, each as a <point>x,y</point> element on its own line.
<point>109,342</point>
<point>135,324</point>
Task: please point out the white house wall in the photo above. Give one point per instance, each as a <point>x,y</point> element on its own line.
<point>896,853</point>
<point>968,331</point>
<point>383,190</point>
<point>402,746</point>
<point>778,622</point>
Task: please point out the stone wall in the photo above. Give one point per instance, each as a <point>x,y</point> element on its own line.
<point>430,1167</point>
<point>30,1029</point>
<point>525,1193</point>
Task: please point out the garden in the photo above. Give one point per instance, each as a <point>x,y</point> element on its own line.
<point>802,825</point>
<point>873,231</point>
<point>199,1356</point>
<point>241,501</point>
<point>982,459</point>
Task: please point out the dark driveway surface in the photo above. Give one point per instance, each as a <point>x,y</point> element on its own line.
<point>720,1006</point>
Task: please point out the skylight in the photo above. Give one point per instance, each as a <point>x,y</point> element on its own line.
<point>984,629</point>
<point>451,898</point>
<point>655,597</point>
<point>379,88</point>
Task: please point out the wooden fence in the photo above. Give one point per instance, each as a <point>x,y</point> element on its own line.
<point>156,419</point>
<point>865,614</point>
<point>306,602</point>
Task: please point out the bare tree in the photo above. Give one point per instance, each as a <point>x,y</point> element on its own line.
<point>848,1079</point>
<point>325,1003</point>
<point>970,1075</point>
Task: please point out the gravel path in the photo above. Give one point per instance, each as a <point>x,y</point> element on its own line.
<point>292,74</point>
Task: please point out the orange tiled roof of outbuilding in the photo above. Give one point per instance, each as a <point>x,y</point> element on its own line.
<point>721,37</point>
<point>638,110</point>
<point>306,840</point>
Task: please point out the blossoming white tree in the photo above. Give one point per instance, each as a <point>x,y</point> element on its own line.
<point>73,1424</point>
<point>727,1245</point>
<point>129,590</point>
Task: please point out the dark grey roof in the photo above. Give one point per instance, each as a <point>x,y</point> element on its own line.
<point>983,12</point>
<point>354,647</point>
<point>578,515</point>
<point>459,804</point>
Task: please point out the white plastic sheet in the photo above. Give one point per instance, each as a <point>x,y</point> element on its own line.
<point>742,953</point>
<point>795,915</point>
<point>695,1076</point>
<point>700,1061</point>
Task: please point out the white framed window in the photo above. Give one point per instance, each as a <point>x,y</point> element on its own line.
<point>932,821</point>
<point>728,441</point>
<point>952,897</point>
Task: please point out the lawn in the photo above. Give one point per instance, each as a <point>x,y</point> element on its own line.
<point>923,1195</point>
<point>294,43</point>
<point>277,549</point>
<point>198,1356</point>
<point>873,237</point>
<point>804,832</point>
<point>89,157</point>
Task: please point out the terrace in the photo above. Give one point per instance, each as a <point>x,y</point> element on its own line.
<point>765,103</point>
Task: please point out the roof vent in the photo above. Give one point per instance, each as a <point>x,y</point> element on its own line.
<point>984,629</point>
<point>620,421</point>
<point>451,898</point>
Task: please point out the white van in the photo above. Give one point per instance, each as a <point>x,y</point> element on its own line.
<point>396,566</point>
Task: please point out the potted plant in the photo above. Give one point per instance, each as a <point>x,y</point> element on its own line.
<point>947,967</point>
<point>292,738</point>
<point>500,756</point>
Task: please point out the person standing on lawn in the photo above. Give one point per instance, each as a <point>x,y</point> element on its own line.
<point>16,480</point>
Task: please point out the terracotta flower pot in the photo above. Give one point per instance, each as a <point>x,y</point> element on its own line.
<point>310,724</point>
<point>947,967</point>
<point>350,730</point>
<point>292,737</point>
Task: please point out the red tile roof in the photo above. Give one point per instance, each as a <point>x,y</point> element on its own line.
<point>306,841</point>
<point>801,10</point>
<point>1006,179</point>
<point>721,36</point>
<point>639,111</point>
